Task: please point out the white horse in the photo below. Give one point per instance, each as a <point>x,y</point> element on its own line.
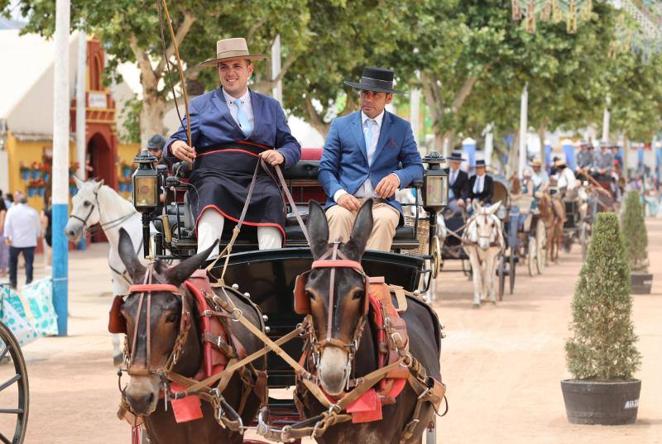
<point>484,244</point>
<point>96,203</point>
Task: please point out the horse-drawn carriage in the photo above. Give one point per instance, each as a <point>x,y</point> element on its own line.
<point>275,302</point>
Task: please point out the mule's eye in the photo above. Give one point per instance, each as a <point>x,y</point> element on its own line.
<point>172,317</point>
<point>310,295</point>
<point>87,203</point>
<point>358,294</point>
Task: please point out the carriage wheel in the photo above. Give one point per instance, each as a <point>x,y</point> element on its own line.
<point>501,270</point>
<point>14,389</point>
<point>541,241</point>
<point>512,271</point>
<point>532,255</point>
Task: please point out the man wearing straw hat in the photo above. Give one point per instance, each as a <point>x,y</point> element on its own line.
<point>369,154</point>
<point>232,128</point>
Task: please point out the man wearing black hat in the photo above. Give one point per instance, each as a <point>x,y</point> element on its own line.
<point>481,186</point>
<point>369,154</point>
<point>458,179</point>
<point>155,146</point>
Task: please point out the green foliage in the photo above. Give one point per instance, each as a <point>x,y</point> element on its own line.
<point>603,342</point>
<point>634,233</point>
<point>130,131</point>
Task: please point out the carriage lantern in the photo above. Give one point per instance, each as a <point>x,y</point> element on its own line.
<point>435,183</point>
<point>145,191</point>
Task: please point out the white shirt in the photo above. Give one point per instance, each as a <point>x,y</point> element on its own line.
<point>246,106</point>
<point>454,174</point>
<point>479,184</point>
<point>22,226</point>
<point>567,179</point>
<point>366,189</point>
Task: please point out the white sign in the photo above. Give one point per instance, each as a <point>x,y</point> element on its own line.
<point>97,100</point>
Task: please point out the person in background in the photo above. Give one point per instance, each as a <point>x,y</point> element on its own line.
<point>481,185</point>
<point>458,180</point>
<point>47,229</point>
<point>4,249</point>
<point>21,230</point>
<point>539,177</point>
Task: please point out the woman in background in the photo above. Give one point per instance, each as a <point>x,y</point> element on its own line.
<point>4,249</point>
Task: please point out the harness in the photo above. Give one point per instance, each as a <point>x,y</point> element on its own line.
<point>470,223</point>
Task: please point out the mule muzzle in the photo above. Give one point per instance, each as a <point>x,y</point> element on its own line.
<point>334,369</point>
<point>142,394</point>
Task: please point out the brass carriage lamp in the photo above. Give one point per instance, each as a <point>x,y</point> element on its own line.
<point>145,183</point>
<point>435,183</point>
<point>145,191</point>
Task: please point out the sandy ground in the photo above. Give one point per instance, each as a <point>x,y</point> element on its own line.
<point>502,365</point>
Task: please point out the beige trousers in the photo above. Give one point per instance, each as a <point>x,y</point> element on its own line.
<point>385,217</point>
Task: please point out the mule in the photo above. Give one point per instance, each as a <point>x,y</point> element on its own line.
<point>156,342</point>
<point>96,203</point>
<point>345,322</point>
<point>484,243</point>
<point>552,213</point>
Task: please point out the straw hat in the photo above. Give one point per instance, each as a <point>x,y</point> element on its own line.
<point>227,49</point>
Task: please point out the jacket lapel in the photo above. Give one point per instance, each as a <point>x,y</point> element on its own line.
<point>256,104</point>
<point>383,135</point>
<point>357,130</point>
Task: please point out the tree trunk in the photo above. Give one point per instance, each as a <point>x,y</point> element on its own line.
<point>541,135</point>
<point>151,118</point>
<point>314,119</point>
<point>513,156</point>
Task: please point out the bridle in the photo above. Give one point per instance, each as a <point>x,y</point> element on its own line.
<point>334,259</point>
<point>472,225</point>
<point>145,290</point>
<point>103,225</point>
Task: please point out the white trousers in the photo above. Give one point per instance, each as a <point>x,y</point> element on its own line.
<point>210,228</point>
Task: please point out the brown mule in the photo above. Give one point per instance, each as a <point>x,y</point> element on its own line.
<point>342,337</point>
<point>165,337</point>
<point>552,214</point>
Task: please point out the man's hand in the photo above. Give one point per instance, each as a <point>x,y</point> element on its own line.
<point>387,186</point>
<point>8,241</point>
<point>349,202</point>
<point>182,151</point>
<point>460,203</point>
<point>272,157</point>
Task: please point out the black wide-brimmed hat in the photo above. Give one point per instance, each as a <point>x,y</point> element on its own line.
<point>375,79</point>
<point>480,163</point>
<point>457,156</point>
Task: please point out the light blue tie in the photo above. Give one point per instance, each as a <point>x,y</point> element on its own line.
<point>242,119</point>
<point>368,134</point>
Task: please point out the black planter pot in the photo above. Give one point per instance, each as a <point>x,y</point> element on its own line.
<point>641,283</point>
<point>601,402</point>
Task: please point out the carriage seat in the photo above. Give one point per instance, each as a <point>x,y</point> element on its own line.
<point>303,170</point>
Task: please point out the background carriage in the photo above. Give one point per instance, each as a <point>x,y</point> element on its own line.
<point>268,277</point>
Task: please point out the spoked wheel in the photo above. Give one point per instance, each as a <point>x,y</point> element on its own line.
<point>512,270</point>
<point>541,241</point>
<point>14,389</point>
<point>501,271</point>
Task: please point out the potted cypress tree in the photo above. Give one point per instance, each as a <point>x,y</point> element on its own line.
<point>602,355</point>
<point>636,243</point>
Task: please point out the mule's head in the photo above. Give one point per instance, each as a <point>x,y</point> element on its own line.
<point>85,209</point>
<point>337,311</point>
<point>486,227</point>
<point>161,327</point>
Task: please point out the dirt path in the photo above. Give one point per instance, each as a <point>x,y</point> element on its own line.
<point>502,364</point>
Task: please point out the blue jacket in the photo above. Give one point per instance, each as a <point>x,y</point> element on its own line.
<point>212,125</point>
<point>344,163</point>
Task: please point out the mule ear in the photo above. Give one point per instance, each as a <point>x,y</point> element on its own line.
<point>361,230</point>
<point>182,271</point>
<point>493,208</point>
<point>318,229</point>
<point>98,185</point>
<point>79,182</point>
<point>129,258</point>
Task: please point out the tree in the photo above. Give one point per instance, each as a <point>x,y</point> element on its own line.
<point>603,342</point>
<point>130,31</point>
<point>634,233</point>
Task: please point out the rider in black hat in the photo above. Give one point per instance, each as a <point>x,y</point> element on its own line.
<point>481,185</point>
<point>458,179</point>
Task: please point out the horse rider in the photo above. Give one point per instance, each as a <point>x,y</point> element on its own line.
<point>566,182</point>
<point>584,159</point>
<point>458,180</point>
<point>232,128</point>
<point>481,185</point>
<point>369,154</point>
<point>603,164</point>
<point>539,176</point>
<point>522,197</point>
